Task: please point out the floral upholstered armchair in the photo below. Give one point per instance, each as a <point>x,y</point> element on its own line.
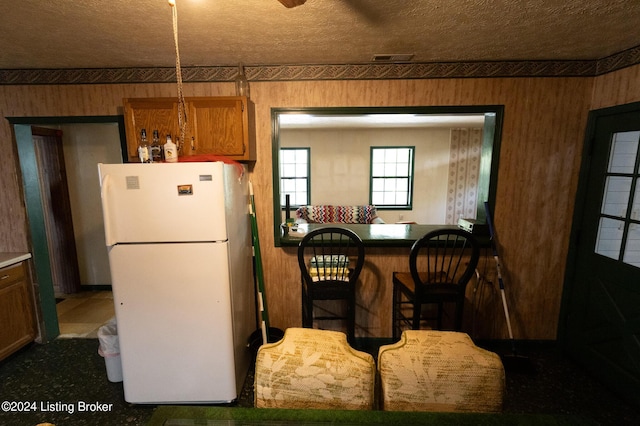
<point>311,368</point>
<point>430,370</point>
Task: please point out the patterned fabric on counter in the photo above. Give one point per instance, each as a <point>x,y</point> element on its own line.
<point>325,274</point>
<point>327,267</point>
<point>439,371</point>
<point>337,214</point>
<point>312,368</point>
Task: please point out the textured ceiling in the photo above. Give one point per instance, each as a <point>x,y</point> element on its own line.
<point>127,33</point>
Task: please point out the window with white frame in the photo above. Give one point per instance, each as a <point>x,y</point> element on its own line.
<point>392,177</point>
<point>294,176</point>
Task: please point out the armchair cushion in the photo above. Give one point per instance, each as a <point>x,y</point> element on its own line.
<point>312,368</point>
<point>439,371</point>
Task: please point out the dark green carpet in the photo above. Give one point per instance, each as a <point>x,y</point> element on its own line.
<point>183,416</point>
<point>59,378</point>
<point>70,372</point>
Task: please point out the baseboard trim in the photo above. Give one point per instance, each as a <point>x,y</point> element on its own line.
<point>95,287</point>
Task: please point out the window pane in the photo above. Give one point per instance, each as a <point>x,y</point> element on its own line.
<point>390,155</point>
<point>616,196</point>
<point>301,155</point>
<point>377,185</point>
<point>632,249</point>
<point>389,169</point>
<point>301,170</point>
<point>288,156</point>
<point>623,152</point>
<point>299,199</point>
<point>609,237</point>
<point>402,184</point>
<point>377,156</point>
<point>288,185</point>
<point>378,170</point>
<point>389,198</point>
<point>288,170</point>
<point>389,185</point>
<point>635,209</point>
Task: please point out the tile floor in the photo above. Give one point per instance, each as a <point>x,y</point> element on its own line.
<point>80,315</point>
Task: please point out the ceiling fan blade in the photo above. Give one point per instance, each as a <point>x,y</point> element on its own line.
<point>292,3</point>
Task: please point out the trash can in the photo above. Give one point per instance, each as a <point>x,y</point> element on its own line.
<point>110,350</point>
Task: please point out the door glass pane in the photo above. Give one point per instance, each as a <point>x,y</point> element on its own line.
<point>623,152</point>
<point>609,237</point>
<point>632,249</point>
<point>635,209</point>
<point>616,196</point>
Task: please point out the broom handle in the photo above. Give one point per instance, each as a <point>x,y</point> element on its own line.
<point>498,268</point>
<point>262,298</point>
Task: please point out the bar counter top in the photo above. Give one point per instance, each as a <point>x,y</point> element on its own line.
<point>373,235</point>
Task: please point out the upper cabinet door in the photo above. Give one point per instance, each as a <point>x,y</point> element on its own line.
<point>151,114</point>
<point>222,126</point>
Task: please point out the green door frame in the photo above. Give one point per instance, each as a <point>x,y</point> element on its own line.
<point>35,212</point>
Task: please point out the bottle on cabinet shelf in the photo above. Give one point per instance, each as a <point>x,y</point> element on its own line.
<point>170,151</point>
<point>242,84</point>
<point>156,149</point>
<point>143,148</point>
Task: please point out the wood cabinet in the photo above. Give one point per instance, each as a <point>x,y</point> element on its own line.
<point>17,321</point>
<point>216,125</point>
<point>150,114</point>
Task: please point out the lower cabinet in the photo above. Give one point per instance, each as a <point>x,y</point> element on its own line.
<point>17,321</point>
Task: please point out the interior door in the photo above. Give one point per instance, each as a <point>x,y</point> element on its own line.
<point>57,209</point>
<point>602,286</point>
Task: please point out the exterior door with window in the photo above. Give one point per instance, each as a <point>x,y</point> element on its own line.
<point>602,287</point>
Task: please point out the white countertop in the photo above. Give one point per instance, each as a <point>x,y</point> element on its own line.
<point>8,259</point>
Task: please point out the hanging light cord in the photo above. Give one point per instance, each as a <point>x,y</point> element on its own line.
<point>182,112</point>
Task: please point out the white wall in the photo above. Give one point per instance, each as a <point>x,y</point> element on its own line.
<point>86,145</point>
<point>340,166</point>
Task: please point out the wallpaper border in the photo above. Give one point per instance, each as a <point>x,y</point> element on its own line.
<point>369,71</point>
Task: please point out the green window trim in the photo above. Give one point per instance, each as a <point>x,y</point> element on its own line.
<point>300,152</point>
<point>383,177</point>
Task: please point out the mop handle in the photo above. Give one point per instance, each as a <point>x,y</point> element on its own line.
<point>491,229</point>
<point>498,268</point>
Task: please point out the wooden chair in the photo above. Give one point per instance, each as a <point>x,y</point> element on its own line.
<point>441,263</point>
<point>330,261</point>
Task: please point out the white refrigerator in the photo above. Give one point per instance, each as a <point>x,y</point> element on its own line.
<point>179,243</point>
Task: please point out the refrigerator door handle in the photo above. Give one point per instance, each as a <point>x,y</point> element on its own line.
<point>104,194</point>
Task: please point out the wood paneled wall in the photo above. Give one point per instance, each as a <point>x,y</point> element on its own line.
<point>542,139</point>
<point>540,155</point>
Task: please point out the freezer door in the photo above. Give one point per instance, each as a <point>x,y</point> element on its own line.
<point>173,312</point>
<point>163,202</point>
